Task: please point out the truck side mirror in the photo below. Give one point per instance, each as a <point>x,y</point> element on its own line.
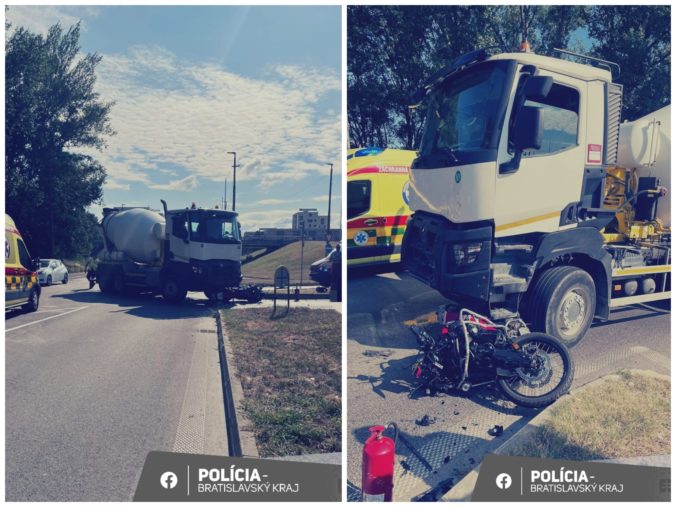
<point>528,129</point>
<point>527,134</point>
<point>537,87</point>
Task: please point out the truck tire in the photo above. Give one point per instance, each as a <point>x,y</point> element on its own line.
<point>105,281</point>
<point>562,303</point>
<point>172,290</point>
<point>118,282</point>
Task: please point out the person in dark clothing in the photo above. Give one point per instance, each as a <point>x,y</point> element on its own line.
<point>336,272</point>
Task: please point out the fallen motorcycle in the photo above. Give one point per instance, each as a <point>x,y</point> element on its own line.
<point>532,369</point>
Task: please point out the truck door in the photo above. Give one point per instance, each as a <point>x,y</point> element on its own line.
<point>547,180</point>
<point>179,239</point>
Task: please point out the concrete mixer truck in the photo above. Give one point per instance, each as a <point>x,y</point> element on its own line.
<point>183,250</point>
<point>530,197</point>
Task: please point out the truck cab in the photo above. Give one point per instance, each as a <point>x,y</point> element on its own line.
<point>509,185</point>
<point>205,247</point>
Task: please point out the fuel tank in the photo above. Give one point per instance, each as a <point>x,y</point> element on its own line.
<point>645,145</point>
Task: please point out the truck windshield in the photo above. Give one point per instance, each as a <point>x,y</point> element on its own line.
<point>464,115</point>
<point>213,227</point>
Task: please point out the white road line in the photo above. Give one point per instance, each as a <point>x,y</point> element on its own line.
<point>46,318</point>
<point>41,311</point>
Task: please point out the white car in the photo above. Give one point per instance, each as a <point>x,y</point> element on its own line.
<point>52,271</point>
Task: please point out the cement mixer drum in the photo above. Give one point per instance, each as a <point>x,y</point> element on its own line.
<point>137,232</point>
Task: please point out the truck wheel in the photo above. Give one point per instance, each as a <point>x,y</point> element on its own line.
<point>65,279</point>
<point>172,290</point>
<point>33,302</point>
<point>49,280</point>
<point>105,283</point>
<point>562,303</point>
<point>118,282</point>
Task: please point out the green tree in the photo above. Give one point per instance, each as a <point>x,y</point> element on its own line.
<point>52,113</point>
<point>639,39</point>
<point>393,49</point>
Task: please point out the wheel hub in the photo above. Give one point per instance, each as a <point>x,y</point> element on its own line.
<point>573,311</point>
<point>539,371</point>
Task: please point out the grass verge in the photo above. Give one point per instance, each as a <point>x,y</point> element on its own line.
<point>290,370</point>
<point>624,416</point>
<point>262,269</point>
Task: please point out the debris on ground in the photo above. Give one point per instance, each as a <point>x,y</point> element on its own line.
<point>405,465</point>
<point>425,420</point>
<point>377,353</point>
<point>455,412</point>
<point>496,430</point>
<point>464,428</point>
<point>447,459</point>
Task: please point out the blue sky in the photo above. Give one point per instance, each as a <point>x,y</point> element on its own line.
<point>192,83</point>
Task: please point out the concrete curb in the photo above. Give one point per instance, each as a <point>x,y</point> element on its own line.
<point>329,458</point>
<point>463,490</point>
<point>246,435</point>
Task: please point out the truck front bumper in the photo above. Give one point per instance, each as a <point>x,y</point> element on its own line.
<point>454,259</point>
<point>215,274</point>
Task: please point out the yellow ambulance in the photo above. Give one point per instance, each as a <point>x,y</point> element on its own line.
<point>377,204</point>
<point>22,289</point>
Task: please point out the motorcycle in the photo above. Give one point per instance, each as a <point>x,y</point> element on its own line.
<point>531,369</point>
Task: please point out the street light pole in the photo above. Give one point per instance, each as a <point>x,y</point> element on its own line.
<point>328,217</point>
<point>234,177</point>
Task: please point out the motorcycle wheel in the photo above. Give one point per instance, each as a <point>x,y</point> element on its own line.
<point>541,386</point>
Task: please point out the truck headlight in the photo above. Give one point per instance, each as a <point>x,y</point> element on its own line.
<point>466,253</point>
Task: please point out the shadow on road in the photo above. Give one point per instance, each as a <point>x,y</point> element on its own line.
<point>357,272</point>
<point>651,310</point>
<point>147,306</point>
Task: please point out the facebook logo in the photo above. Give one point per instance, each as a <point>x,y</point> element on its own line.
<point>168,480</point>
<point>503,481</point>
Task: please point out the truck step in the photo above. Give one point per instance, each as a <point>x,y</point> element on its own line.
<point>513,248</point>
<point>498,314</point>
<point>515,283</point>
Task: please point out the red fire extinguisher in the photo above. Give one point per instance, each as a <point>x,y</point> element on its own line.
<point>377,466</point>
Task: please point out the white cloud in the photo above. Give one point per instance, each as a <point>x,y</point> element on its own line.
<point>274,202</point>
<point>39,18</point>
<point>116,185</point>
<point>186,184</point>
<point>325,198</point>
<point>189,114</point>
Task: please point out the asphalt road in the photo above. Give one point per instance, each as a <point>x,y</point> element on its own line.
<point>381,351</point>
<point>94,382</point>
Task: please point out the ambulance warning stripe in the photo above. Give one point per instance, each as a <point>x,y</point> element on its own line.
<point>386,169</point>
<point>392,221</point>
<point>18,272</point>
<point>15,282</point>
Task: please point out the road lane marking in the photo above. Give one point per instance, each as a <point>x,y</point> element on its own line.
<point>46,318</point>
<point>41,311</point>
